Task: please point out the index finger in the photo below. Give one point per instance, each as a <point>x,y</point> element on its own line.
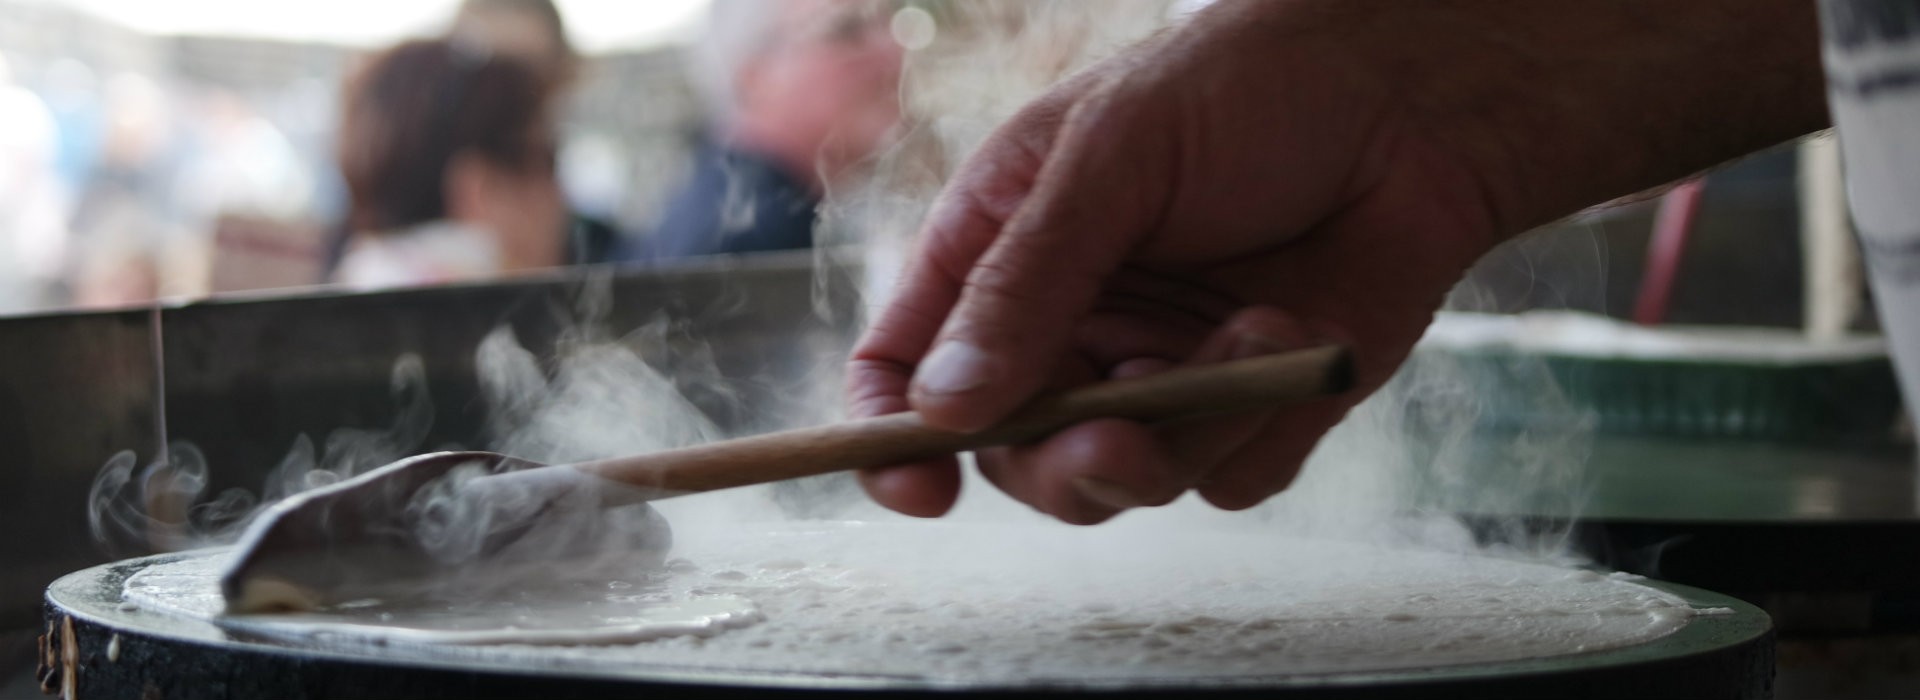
<point>985,193</point>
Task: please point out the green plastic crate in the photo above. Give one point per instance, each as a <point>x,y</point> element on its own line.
<point>1853,397</point>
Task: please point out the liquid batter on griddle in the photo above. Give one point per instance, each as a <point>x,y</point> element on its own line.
<point>644,608</point>
<point>1018,603</point>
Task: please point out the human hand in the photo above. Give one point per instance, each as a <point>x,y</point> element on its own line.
<point>1269,176</point>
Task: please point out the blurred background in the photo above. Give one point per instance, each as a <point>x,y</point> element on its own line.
<point>178,149</point>
<point>215,146</point>
<point>195,147</point>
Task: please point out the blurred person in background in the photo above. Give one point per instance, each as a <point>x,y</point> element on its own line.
<point>447,152</point>
<point>126,218</point>
<point>115,271</point>
<point>530,30</point>
<point>534,33</point>
<point>73,93</point>
<point>239,163</point>
<point>33,227</point>
<point>248,192</point>
<point>799,92</point>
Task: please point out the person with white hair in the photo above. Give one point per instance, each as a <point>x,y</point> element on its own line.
<point>33,230</point>
<point>799,93</point>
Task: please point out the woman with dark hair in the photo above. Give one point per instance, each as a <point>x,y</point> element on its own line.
<point>448,156</point>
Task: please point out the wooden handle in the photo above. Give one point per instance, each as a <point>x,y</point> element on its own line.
<point>1260,382</point>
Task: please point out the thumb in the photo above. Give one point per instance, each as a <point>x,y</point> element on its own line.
<point>1090,204</point>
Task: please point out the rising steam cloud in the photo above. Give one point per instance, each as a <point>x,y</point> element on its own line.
<point>1396,472</point>
<point>1401,466</point>
<point>162,505</point>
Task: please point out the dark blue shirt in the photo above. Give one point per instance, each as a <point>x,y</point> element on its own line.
<point>735,202</point>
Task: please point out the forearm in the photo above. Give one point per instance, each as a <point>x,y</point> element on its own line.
<point>1654,90</point>
<point>1559,104</point>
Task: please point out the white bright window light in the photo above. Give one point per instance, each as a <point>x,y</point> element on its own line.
<point>595,25</point>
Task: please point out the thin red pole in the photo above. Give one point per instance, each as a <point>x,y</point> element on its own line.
<point>1671,226</point>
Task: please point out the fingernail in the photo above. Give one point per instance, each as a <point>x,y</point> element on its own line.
<point>1106,493</point>
<point>953,367</point>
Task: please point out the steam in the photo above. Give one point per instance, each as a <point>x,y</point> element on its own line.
<point>986,60</point>
<point>1395,473</point>
<point>1404,465</point>
<point>600,395</point>
<point>1441,451</point>
<point>348,452</point>
<point>159,506</point>
<point>605,401</point>
<point>502,529</point>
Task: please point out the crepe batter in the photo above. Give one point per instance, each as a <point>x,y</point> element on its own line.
<point>984,601</point>
<point>557,612</point>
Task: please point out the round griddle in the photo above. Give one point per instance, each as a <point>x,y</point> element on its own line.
<point>95,648</point>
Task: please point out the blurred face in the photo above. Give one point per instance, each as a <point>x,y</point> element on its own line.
<point>832,76</point>
<point>523,206</point>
